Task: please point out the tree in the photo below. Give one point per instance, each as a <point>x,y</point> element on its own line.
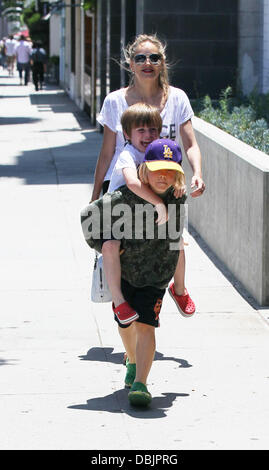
<point>38,28</point>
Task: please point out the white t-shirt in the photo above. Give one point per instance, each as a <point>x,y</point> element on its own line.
<point>130,157</point>
<point>23,52</point>
<point>11,46</point>
<point>176,111</point>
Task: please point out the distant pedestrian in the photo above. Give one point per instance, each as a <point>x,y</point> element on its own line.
<point>23,54</point>
<point>39,63</point>
<point>11,44</point>
<point>3,59</point>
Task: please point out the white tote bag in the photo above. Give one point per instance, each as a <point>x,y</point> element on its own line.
<point>100,291</point>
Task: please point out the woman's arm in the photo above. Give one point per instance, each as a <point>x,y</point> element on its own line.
<point>104,160</point>
<point>193,153</point>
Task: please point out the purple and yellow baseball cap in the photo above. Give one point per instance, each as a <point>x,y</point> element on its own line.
<point>162,154</point>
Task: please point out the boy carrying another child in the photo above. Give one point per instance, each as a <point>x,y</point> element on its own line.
<point>147,262</point>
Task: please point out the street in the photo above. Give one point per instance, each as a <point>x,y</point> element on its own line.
<point>61,356</point>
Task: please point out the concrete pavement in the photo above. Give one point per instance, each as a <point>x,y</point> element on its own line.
<point>60,355</point>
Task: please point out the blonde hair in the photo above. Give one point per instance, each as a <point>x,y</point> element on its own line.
<point>130,51</point>
<point>140,114</point>
<point>143,176</point>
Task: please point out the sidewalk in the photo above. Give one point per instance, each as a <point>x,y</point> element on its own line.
<point>61,356</point>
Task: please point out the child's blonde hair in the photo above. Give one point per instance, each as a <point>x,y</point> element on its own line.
<point>141,114</point>
<point>143,176</point>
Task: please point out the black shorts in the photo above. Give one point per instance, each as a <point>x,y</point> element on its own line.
<point>105,186</point>
<point>146,301</point>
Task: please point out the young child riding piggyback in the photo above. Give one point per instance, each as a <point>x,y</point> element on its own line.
<point>142,124</point>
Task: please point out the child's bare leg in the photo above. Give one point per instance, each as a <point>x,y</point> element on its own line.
<point>179,276</point>
<point>145,350</point>
<point>112,267</point>
<point>128,337</point>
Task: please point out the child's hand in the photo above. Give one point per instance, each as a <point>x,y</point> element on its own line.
<point>162,213</point>
<point>179,192</point>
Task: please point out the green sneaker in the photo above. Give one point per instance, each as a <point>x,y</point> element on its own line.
<point>130,374</point>
<point>139,395</point>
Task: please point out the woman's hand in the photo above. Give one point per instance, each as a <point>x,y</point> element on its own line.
<point>197,182</point>
<point>193,153</point>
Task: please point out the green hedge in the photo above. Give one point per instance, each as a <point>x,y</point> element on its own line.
<point>246,118</point>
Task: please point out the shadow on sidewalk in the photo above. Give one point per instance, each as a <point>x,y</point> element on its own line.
<point>67,164</point>
<point>10,84</point>
<point>13,96</point>
<point>59,102</point>
<point>106,355</point>
<point>117,402</point>
<point>8,362</point>
<point>6,121</point>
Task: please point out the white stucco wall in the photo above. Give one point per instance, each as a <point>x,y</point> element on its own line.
<point>55,30</point>
<point>232,219</point>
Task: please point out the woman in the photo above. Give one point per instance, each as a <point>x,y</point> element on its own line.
<point>149,83</point>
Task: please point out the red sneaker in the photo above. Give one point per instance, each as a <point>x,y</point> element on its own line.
<point>183,302</point>
<point>124,313</point>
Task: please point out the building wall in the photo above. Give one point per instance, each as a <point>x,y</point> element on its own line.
<point>78,71</point>
<point>250,52</point>
<point>68,78</point>
<point>3,27</point>
<point>116,26</point>
<point>201,38</point>
<point>265,86</point>
<point>209,44</point>
<point>102,48</point>
<point>88,64</point>
<point>55,36</point>
<point>113,67</point>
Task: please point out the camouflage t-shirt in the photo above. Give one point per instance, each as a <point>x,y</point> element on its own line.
<point>149,252</point>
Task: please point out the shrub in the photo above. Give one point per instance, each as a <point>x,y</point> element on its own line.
<point>54,59</point>
<point>248,120</point>
<point>38,28</point>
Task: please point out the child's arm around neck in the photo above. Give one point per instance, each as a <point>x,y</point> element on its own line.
<point>140,189</point>
<point>145,192</point>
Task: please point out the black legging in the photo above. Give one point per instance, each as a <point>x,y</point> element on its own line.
<point>38,74</point>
